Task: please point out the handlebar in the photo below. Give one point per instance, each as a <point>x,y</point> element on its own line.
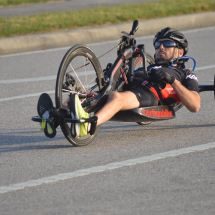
<point>146,74</point>
<point>126,40</point>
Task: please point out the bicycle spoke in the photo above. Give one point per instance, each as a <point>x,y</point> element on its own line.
<point>78,78</point>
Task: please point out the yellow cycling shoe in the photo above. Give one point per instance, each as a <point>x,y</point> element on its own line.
<point>77,112</point>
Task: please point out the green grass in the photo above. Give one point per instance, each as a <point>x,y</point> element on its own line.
<point>20,2</point>
<point>50,22</point>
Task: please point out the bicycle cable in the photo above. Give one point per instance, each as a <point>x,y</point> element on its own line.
<point>100,56</point>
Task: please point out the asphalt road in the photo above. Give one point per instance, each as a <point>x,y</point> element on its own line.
<point>69,5</point>
<point>181,183</point>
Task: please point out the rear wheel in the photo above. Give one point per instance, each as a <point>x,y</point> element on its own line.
<point>138,61</point>
<point>143,123</point>
<point>80,72</point>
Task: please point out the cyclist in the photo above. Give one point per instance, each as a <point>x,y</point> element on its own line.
<point>181,85</point>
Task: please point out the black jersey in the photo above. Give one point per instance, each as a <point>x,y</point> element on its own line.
<point>186,77</point>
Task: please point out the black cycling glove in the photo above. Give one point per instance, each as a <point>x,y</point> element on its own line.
<point>158,75</point>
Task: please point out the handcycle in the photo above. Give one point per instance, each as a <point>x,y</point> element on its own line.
<point>80,72</point>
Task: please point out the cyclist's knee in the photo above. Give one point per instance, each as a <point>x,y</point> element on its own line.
<point>114,96</point>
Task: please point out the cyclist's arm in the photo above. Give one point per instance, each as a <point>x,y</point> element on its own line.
<point>190,99</point>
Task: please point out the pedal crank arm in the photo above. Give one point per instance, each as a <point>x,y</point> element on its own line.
<point>60,113</point>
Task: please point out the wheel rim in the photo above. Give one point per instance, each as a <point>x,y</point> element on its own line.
<point>82,71</point>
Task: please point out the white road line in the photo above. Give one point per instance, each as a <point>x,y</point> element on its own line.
<point>23,80</point>
<point>111,166</point>
<point>205,67</point>
<point>101,43</point>
<point>34,94</point>
<point>47,78</point>
<point>54,77</point>
<point>24,96</point>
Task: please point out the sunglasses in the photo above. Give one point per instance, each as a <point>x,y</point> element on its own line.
<point>166,43</point>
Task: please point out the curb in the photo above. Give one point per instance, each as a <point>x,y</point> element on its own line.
<point>102,33</point>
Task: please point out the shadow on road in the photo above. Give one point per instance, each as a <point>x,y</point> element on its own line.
<point>22,140</point>
<point>153,126</point>
<point>18,140</point>
<point>35,147</point>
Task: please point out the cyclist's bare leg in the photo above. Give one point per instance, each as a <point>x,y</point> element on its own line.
<point>65,104</point>
<point>117,101</point>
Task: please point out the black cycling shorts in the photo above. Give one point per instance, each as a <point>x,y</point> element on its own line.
<point>144,95</point>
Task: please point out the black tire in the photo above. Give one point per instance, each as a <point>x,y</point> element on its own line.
<point>138,62</point>
<point>143,123</point>
<point>85,72</point>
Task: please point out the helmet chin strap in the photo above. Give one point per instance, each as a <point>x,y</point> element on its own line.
<point>171,61</point>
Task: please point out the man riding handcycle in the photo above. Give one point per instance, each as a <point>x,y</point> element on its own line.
<point>138,95</point>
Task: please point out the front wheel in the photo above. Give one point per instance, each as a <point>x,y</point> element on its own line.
<point>79,72</point>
